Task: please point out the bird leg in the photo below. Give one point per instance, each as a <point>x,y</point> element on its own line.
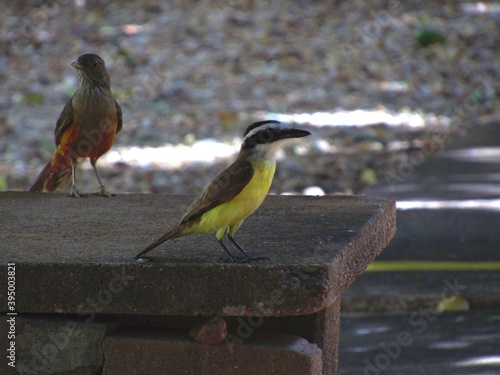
<point>102,190</point>
<point>246,258</point>
<point>233,258</point>
<point>74,191</point>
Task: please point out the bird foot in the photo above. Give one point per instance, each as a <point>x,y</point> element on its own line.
<point>253,259</point>
<point>103,193</point>
<point>242,259</point>
<point>74,193</point>
<point>143,260</point>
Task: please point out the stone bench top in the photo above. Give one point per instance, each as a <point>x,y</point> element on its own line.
<point>76,255</point>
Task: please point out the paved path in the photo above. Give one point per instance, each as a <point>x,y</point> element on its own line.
<point>426,344</point>
<point>448,216</point>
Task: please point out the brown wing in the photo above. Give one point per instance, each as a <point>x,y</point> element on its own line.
<point>119,117</point>
<point>64,121</point>
<point>223,188</point>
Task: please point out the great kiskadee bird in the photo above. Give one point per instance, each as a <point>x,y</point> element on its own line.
<point>236,192</point>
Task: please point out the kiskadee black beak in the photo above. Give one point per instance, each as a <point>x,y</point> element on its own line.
<point>294,133</point>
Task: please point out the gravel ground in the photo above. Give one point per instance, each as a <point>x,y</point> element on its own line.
<point>191,71</point>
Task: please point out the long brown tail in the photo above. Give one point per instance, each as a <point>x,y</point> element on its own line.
<point>171,234</point>
<point>52,178</point>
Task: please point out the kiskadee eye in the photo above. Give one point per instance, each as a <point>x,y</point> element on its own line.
<point>266,136</point>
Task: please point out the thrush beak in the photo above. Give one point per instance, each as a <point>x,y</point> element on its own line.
<point>76,65</point>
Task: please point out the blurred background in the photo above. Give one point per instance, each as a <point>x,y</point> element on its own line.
<point>401,98</point>
<point>382,85</point>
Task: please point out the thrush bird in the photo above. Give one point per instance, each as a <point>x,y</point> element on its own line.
<point>86,128</point>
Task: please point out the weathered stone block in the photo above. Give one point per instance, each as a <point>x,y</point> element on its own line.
<point>48,345</point>
<point>174,352</point>
<point>84,259</point>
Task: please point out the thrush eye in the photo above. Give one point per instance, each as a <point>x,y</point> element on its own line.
<point>95,64</point>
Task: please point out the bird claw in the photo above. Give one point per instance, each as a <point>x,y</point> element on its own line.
<point>104,193</point>
<point>253,259</point>
<point>242,259</point>
<point>74,193</point>
<point>143,260</point>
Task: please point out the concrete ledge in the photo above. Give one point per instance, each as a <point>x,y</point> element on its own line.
<point>75,255</point>
<point>173,352</point>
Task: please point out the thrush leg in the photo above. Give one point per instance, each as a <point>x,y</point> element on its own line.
<point>102,190</point>
<point>74,191</point>
<point>246,257</point>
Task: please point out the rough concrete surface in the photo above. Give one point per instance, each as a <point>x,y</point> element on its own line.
<point>66,345</point>
<point>76,255</point>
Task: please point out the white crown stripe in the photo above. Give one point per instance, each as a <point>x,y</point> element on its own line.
<point>274,125</point>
